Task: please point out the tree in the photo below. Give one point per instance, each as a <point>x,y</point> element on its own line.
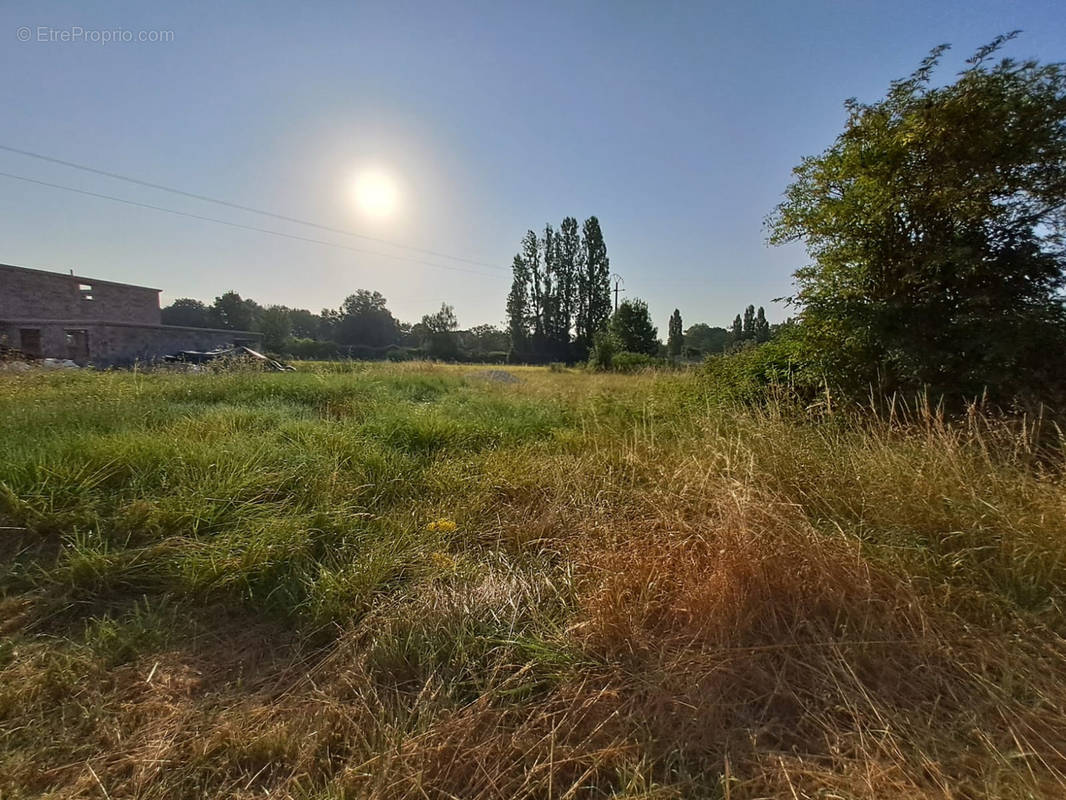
<point>935,226</point>
<point>233,313</point>
<point>560,292</point>
<point>632,328</point>
<point>702,339</point>
<point>604,347</point>
<point>748,327</point>
<point>484,340</point>
<point>568,264</point>
<point>518,310</point>
<point>675,337</point>
<point>548,308</point>
<point>594,283</point>
<point>275,326</point>
<point>187,312</point>
<point>441,341</point>
<point>531,256</point>
<point>737,330</point>
<point>364,319</point>
<point>530,301</point>
<point>414,335</point>
<point>560,256</point>
<point>305,325</point>
<point>761,329</point>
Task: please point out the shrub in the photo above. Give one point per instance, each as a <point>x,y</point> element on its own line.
<point>603,350</point>
<point>756,373</point>
<point>312,349</point>
<point>631,362</point>
<point>493,357</point>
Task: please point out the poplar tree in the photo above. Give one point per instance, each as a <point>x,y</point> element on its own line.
<point>530,255</point>
<point>737,330</point>
<point>568,261</point>
<point>518,310</point>
<point>595,281</point>
<point>748,329</point>
<point>675,335</point>
<point>762,327</point>
<point>560,292</point>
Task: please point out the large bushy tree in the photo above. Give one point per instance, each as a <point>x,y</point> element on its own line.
<point>187,312</point>
<point>440,329</point>
<point>276,328</point>
<point>364,319</point>
<point>703,339</point>
<point>935,227</point>
<point>483,340</point>
<point>233,312</point>
<point>632,328</point>
<point>306,325</point>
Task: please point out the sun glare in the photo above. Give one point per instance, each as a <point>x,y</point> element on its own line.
<point>376,194</point>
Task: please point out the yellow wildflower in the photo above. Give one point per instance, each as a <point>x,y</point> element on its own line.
<point>442,525</point>
<point>443,561</point>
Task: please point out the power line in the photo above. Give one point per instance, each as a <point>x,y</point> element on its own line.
<point>207,199</point>
<point>297,237</point>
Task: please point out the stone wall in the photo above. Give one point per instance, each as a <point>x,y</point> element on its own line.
<point>36,294</point>
<point>119,344</point>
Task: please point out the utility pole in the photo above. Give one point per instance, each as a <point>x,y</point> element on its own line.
<point>617,282</point>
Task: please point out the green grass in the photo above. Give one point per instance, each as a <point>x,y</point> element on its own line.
<point>406,580</point>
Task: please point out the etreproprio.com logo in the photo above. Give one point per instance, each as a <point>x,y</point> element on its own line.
<point>76,34</point>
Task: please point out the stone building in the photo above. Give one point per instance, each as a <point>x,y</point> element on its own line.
<point>90,321</point>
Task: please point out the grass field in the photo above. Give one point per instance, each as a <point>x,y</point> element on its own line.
<point>392,581</point>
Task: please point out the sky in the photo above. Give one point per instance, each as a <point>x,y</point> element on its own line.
<point>676,124</point>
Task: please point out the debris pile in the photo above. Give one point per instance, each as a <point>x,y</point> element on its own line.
<point>224,356</point>
<point>14,360</point>
<point>9,353</point>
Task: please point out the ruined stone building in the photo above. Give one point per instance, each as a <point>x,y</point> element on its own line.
<point>52,315</point>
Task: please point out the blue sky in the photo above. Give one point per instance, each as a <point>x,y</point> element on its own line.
<point>677,124</point>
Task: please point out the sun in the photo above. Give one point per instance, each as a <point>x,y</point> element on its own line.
<point>376,193</point>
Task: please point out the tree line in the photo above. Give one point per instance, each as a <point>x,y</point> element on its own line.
<point>361,327</point>
<point>560,292</point>
<point>559,306</point>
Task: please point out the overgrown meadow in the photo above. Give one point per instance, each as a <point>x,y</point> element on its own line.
<point>413,580</point>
